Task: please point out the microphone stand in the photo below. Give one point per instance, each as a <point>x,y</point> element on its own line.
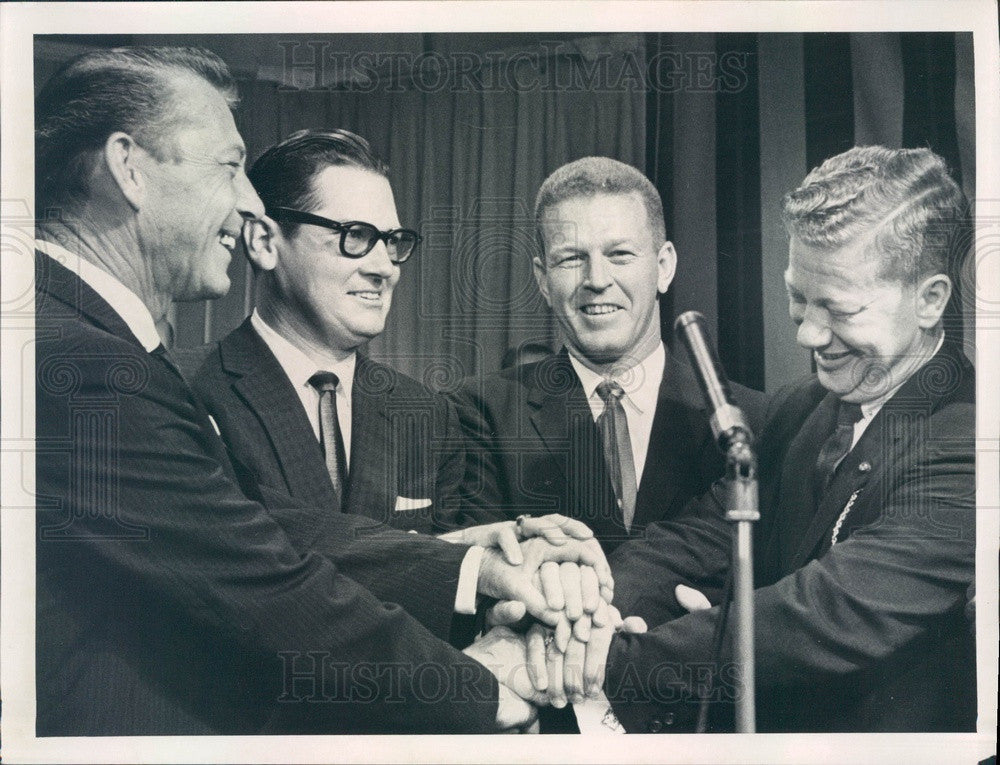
<point>735,439</point>
<point>741,512</point>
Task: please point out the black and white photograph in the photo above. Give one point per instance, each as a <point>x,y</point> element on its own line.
<point>618,376</point>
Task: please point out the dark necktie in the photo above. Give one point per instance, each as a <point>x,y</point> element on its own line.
<point>613,427</point>
<point>836,447</point>
<point>329,431</point>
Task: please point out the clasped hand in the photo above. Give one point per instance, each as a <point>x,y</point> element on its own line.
<point>552,569</point>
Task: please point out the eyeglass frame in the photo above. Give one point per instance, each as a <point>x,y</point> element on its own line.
<point>290,215</point>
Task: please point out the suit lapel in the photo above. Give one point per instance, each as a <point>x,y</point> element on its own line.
<point>852,475</point>
<point>262,384</point>
<point>555,400</point>
<point>563,420</point>
<point>372,446</point>
<point>796,512</point>
<point>873,459</point>
<point>679,407</point>
<point>56,284</point>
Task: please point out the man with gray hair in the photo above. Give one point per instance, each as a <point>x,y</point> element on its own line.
<point>168,602</point>
<point>611,430</point>
<point>865,548</point>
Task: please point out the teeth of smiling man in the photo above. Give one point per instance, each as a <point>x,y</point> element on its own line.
<point>833,356</point>
<point>367,295</point>
<point>228,241</point>
<point>593,310</point>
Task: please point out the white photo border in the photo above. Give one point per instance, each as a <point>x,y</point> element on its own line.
<point>19,22</point>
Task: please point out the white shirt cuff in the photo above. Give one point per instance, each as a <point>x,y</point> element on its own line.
<point>468,581</point>
<point>596,716</point>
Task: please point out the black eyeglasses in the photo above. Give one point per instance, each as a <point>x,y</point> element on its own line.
<point>357,238</point>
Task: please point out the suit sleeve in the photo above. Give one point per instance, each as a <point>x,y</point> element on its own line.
<point>450,470</point>
<point>202,549</point>
<point>415,571</point>
<point>382,559</point>
<point>853,607</point>
<point>693,547</point>
<point>481,494</point>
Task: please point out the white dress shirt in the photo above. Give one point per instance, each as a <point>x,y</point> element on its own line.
<point>299,367</point>
<point>641,384</point>
<point>125,303</point>
<point>871,408</point>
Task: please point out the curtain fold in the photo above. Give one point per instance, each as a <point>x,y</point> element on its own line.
<point>465,167</point>
<point>467,161</point>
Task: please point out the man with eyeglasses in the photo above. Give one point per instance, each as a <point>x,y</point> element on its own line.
<point>305,413</point>
<point>168,601</point>
<point>300,408</point>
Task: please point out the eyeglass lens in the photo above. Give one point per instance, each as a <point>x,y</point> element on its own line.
<point>359,238</point>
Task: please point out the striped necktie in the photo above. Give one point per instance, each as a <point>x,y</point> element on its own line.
<point>613,427</point>
<point>836,447</point>
<point>330,436</point>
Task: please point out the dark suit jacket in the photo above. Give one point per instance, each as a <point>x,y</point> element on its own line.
<point>169,603</point>
<point>405,441</point>
<point>864,635</point>
<point>532,447</point>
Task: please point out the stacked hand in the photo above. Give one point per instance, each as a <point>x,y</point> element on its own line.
<point>576,671</point>
<point>552,569</point>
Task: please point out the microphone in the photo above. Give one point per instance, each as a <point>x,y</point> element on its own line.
<point>729,426</point>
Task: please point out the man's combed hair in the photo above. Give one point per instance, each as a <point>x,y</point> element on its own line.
<point>901,203</point>
<point>590,176</point>
<point>107,91</point>
<point>283,175</point>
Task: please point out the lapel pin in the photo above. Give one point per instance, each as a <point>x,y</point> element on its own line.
<point>864,467</point>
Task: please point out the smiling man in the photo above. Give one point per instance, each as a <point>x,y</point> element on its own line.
<point>168,600</point>
<point>612,429</point>
<point>327,257</point>
<point>865,549</point>
<point>860,327</point>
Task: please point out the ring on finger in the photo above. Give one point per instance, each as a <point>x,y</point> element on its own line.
<point>519,525</point>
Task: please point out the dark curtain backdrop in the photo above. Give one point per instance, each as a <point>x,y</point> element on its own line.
<point>465,167</point>
<point>723,157</point>
<point>722,142</point>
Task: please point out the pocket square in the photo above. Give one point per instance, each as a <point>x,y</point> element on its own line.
<point>411,503</point>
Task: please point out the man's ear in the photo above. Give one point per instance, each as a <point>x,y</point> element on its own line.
<point>666,267</point>
<point>121,155</point>
<point>259,236</point>
<point>931,299</point>
<point>538,268</point>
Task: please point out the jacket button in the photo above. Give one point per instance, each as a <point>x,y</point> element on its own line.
<point>864,467</point>
<point>668,718</point>
<point>655,726</point>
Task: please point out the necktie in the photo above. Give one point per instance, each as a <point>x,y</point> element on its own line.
<point>613,427</point>
<point>836,446</point>
<point>330,436</point>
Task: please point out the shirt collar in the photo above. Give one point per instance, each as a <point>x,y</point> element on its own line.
<point>641,382</point>
<point>298,365</point>
<point>122,300</point>
<point>870,408</point>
